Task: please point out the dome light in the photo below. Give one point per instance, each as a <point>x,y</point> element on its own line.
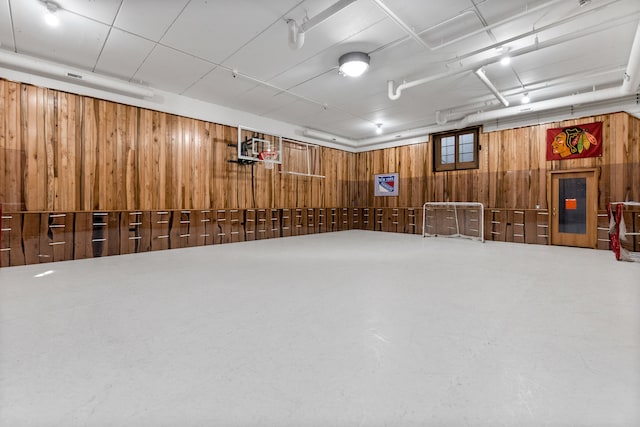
<point>354,64</point>
<point>50,17</point>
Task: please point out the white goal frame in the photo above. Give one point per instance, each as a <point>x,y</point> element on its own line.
<point>454,206</point>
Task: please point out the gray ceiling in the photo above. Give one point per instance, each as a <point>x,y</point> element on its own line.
<point>190,47</point>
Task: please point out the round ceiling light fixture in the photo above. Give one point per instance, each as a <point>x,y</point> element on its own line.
<point>354,64</point>
<point>50,17</point>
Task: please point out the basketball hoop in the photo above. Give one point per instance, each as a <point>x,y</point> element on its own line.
<point>268,158</point>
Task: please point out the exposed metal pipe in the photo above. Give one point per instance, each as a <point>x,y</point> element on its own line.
<point>74,75</point>
<point>566,101</point>
<point>457,113</point>
<point>296,32</point>
<point>483,77</point>
<point>325,14</point>
<point>424,131</point>
<point>296,37</point>
<point>394,92</point>
<point>628,86</point>
<point>473,33</point>
<point>491,26</point>
<point>632,74</point>
<point>624,90</point>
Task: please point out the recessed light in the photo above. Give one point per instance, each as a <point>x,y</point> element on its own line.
<point>506,60</point>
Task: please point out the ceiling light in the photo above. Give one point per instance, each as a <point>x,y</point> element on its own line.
<point>525,98</point>
<point>354,64</point>
<point>506,60</point>
<point>50,17</point>
<point>379,128</point>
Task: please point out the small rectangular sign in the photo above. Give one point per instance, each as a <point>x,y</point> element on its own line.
<point>386,184</point>
<point>570,204</point>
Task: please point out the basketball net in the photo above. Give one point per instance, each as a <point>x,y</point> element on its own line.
<point>268,157</point>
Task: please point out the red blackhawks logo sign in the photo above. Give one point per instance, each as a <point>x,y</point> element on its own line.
<point>574,142</point>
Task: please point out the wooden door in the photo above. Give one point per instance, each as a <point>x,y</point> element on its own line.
<point>574,208</point>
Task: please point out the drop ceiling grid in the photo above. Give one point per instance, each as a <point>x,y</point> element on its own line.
<point>76,42</point>
<point>219,86</point>
<point>6,27</point>
<point>322,47</point>
<point>190,47</point>
<point>172,70</point>
<point>103,11</point>
<point>137,17</point>
<point>123,54</point>
<point>214,30</point>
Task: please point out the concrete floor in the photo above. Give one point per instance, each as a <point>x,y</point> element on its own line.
<point>344,329</point>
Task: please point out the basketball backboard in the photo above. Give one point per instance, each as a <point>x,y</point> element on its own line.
<point>257,146</point>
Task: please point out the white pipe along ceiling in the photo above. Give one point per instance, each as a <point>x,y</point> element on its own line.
<point>280,66</point>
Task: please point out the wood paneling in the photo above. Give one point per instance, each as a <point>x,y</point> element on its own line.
<point>512,169</point>
<point>62,152</point>
<point>133,180</point>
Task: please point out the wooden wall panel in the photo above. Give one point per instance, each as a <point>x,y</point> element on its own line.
<point>68,153</point>
<point>512,169</point>
<point>61,152</point>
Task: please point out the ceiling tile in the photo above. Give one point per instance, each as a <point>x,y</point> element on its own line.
<point>76,41</point>
<point>6,33</point>
<point>171,70</point>
<point>576,56</point>
<point>368,39</point>
<point>251,36</point>
<point>213,30</point>
<point>220,87</point>
<point>359,29</point>
<point>421,15</point>
<point>123,54</point>
<point>262,99</point>
<point>100,10</point>
<point>296,112</point>
<point>148,18</point>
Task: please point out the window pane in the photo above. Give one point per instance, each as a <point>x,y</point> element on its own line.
<point>467,138</point>
<point>448,141</point>
<point>448,150</point>
<point>448,159</point>
<point>466,157</point>
<point>465,147</point>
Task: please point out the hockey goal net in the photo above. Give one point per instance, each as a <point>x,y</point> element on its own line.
<point>453,219</point>
<point>624,230</point>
